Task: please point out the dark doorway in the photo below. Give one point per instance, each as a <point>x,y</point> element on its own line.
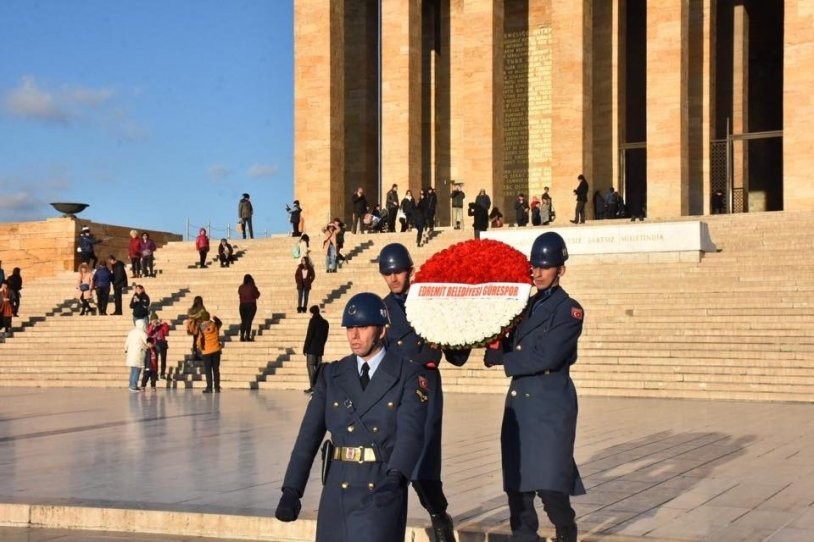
<point>634,182</point>
<point>749,100</point>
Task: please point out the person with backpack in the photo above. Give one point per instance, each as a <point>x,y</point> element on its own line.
<point>302,248</point>
<point>85,247</point>
<point>193,321</point>
<point>202,246</point>
<point>210,345</point>
<point>245,211</point>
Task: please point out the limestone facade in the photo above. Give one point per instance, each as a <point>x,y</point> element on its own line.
<point>511,96</point>
<point>47,247</point>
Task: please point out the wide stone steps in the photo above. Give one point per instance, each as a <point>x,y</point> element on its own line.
<point>714,329</point>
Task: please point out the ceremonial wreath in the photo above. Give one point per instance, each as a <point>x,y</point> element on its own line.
<point>467,294</point>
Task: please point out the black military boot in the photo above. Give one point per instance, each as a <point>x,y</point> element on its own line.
<point>567,534</point>
<point>442,528</point>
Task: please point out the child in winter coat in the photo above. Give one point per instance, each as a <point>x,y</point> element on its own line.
<point>150,365</point>
<point>202,246</point>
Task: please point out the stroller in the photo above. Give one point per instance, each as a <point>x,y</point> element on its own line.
<point>378,224</point>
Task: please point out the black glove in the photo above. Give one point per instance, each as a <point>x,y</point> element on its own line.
<point>289,507</point>
<point>386,493</point>
<point>494,354</point>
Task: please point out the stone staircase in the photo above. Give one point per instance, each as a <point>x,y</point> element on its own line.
<point>737,325</point>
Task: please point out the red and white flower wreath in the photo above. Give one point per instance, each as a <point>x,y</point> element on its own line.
<point>467,294</point>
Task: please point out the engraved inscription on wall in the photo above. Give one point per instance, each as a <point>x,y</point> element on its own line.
<point>527,110</point>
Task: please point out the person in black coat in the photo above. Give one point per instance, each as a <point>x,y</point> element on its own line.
<point>314,346</point>
<point>540,416</point>
<point>396,268</point>
<point>481,218</point>
<point>374,403</point>
<point>407,207</point>
<point>359,203</point>
<point>581,191</point>
<point>119,282</point>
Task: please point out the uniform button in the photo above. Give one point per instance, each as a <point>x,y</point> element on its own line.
<point>375,429</point>
<point>345,485</point>
<point>519,347</point>
<point>514,393</point>
<point>527,395</point>
<point>418,343</point>
<point>350,429</point>
<point>400,342</point>
<point>336,404</point>
<point>390,405</point>
<point>371,486</point>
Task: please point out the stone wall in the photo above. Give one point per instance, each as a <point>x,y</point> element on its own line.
<point>48,247</point>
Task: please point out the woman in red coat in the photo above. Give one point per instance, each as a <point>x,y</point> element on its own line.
<point>134,253</point>
<point>202,246</point>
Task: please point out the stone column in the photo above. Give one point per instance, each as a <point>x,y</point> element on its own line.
<point>401,95</point>
<point>572,138</point>
<point>798,105</point>
<point>476,96</point>
<point>740,101</point>
<point>319,107</point>
<point>667,122</point>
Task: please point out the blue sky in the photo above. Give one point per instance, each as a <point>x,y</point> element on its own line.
<point>151,111</point>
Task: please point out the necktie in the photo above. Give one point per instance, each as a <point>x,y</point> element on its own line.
<point>364,378</point>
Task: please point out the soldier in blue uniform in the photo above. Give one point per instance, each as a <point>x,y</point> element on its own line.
<point>396,267</point>
<point>374,403</point>
<point>540,417</point>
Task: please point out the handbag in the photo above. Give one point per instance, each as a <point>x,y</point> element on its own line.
<point>84,287</point>
<point>239,226</point>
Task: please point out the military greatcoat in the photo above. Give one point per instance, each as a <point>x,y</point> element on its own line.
<point>540,416</point>
<point>402,338</point>
<point>389,416</point>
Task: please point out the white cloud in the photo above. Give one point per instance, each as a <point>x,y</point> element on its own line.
<point>30,101</point>
<point>257,171</point>
<point>86,96</point>
<point>28,198</point>
<point>73,104</point>
<point>219,171</point>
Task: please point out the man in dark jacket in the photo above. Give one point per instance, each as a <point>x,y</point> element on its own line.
<point>245,211</point>
<point>457,196</point>
<point>119,282</point>
<point>392,206</point>
<point>314,346</point>
<point>140,303</point>
<point>294,215</point>
<point>581,191</point>
<point>374,403</point>
<point>102,279</point>
<point>396,268</point>
<point>540,417</point>
<point>359,202</point>
<point>432,205</point>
